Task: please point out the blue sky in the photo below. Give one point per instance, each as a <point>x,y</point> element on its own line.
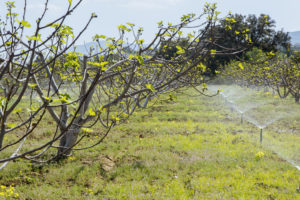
<point>146,13</point>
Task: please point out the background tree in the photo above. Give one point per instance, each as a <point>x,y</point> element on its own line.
<point>251,31</point>
<point>268,70</point>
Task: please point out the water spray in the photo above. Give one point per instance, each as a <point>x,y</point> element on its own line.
<point>230,100</point>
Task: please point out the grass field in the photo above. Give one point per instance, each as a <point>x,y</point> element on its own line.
<point>193,148</point>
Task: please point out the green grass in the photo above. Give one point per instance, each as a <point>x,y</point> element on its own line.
<point>194,148</point>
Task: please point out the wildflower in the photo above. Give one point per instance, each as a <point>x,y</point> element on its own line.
<point>259,155</point>
<point>71,158</point>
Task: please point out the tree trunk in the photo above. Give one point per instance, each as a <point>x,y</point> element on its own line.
<point>68,141</point>
<point>266,89</point>
<point>297,98</point>
<point>2,133</point>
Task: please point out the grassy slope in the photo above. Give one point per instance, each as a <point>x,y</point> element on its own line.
<point>191,149</point>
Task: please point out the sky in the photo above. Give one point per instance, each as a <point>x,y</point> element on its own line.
<point>146,13</point>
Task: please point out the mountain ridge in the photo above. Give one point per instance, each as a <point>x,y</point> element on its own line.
<point>84,48</point>
<point>295,37</point>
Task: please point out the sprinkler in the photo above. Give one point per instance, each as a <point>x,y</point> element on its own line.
<point>261,136</point>
<point>231,105</point>
<point>242,118</point>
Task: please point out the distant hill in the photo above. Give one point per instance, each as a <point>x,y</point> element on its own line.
<point>85,48</point>
<point>295,37</point>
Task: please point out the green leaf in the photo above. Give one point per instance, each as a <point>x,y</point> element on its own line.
<point>241,66</point>
<point>141,41</point>
<point>213,52</point>
<point>87,130</point>
<point>180,50</point>
<point>97,37</point>
<point>202,67</point>
<point>123,28</point>
<point>91,112</point>
<point>32,85</point>
<point>130,24</point>
<point>11,125</point>
<point>25,23</point>
<point>109,45</point>
<point>62,99</point>
<point>103,65</point>
<point>47,98</point>
<point>10,4</point>
<point>115,118</point>
<point>102,109</point>
<point>70,2</point>
<point>150,87</point>
<point>130,56</point>
<point>271,53</point>
<point>160,23</point>
<point>8,43</point>
<point>18,110</point>
<point>190,35</point>
<point>34,38</point>
<point>140,59</point>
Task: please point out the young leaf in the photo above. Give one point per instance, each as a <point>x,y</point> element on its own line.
<point>150,87</point>
<point>18,110</point>
<point>32,85</point>
<point>87,130</point>
<point>140,59</point>
<point>213,52</point>
<point>241,66</point>
<point>91,112</point>
<point>25,24</point>
<point>180,50</point>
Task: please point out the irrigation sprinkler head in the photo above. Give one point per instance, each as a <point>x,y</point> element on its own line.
<point>261,136</point>
<point>242,120</point>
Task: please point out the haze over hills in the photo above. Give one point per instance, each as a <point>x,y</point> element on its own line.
<point>295,37</point>
<point>84,49</point>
